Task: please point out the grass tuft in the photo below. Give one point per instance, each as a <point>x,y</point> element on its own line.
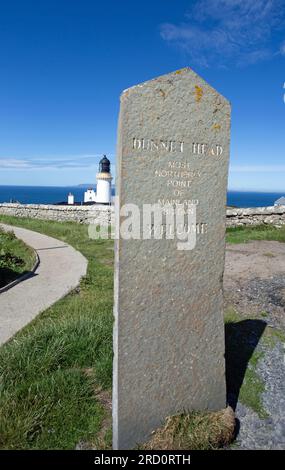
<point>194,431</point>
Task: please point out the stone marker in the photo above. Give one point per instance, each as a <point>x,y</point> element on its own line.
<point>173,147</point>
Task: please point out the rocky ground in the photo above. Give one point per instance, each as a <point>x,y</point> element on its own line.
<point>254,286</point>
<point>268,432</point>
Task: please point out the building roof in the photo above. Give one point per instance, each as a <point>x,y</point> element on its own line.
<point>280,201</point>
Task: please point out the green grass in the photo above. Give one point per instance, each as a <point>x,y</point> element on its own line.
<point>50,371</point>
<point>253,387</point>
<point>272,336</point>
<point>16,258</point>
<point>260,232</point>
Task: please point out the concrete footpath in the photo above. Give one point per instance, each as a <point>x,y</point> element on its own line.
<point>60,270</point>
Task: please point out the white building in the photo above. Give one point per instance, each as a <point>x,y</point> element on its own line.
<point>70,199</point>
<point>90,195</point>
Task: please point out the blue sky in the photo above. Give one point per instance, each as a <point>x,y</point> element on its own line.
<point>64,63</point>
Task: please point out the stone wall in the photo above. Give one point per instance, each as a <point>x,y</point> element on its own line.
<point>101,214</point>
<point>274,215</point>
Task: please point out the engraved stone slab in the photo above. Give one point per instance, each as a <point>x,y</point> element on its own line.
<point>173,148</point>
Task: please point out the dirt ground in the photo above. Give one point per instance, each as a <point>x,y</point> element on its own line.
<point>254,280</point>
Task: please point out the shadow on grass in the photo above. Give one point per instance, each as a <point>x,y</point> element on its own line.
<point>9,275</point>
<point>241,340</point>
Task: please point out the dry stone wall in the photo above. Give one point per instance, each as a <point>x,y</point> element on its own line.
<point>98,214</point>
<point>274,215</point>
<point>105,214</point>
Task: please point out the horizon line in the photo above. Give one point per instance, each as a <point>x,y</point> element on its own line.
<point>78,185</point>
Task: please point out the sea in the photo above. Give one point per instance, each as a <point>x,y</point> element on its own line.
<point>58,194</point>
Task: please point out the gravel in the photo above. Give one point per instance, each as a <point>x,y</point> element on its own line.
<point>269,433</point>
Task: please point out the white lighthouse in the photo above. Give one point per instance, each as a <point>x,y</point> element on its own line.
<point>104,180</point>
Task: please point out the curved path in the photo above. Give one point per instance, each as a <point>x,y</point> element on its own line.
<point>60,270</point>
